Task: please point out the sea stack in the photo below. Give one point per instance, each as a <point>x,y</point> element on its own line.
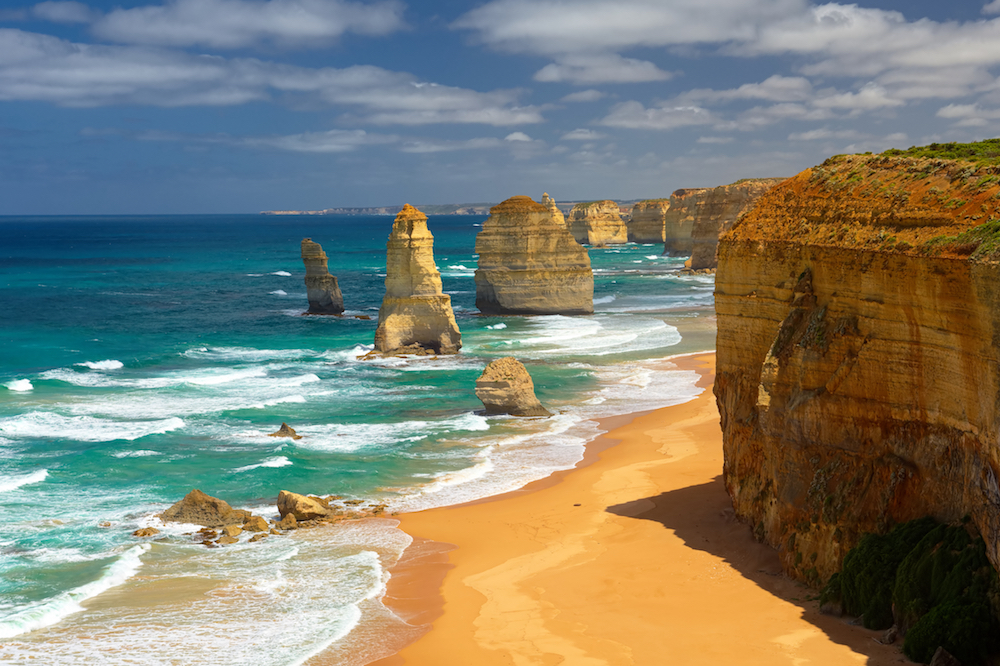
<point>505,387</point>
<point>678,221</point>
<point>321,287</point>
<point>529,264</point>
<point>549,203</point>
<point>858,373</point>
<point>415,317</point>
<point>598,223</point>
<point>648,221</point>
<point>718,210</point>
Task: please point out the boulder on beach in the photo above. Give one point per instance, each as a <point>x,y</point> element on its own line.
<point>201,509</point>
<point>302,506</point>
<point>287,522</point>
<point>285,431</point>
<point>255,524</point>
<point>505,387</point>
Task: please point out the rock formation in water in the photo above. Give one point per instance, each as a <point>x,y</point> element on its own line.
<point>285,431</point>
<point>321,287</point>
<point>201,509</point>
<point>648,222</point>
<point>858,382</point>
<point>303,507</point>
<point>530,264</point>
<point>415,314</point>
<point>679,221</point>
<point>549,203</point>
<point>597,223</point>
<point>505,387</point>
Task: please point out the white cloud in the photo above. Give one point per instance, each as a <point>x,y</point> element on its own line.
<point>241,23</point>
<point>824,133</point>
<point>44,68</point>
<point>584,96</point>
<point>969,115</point>
<point>332,141</point>
<point>600,68</point>
<point>762,116</point>
<point>871,96</point>
<point>633,115</point>
<point>440,146</point>
<point>64,12</point>
<point>775,88</point>
<point>992,8</point>
<point>715,139</point>
<point>582,135</point>
<point>517,136</point>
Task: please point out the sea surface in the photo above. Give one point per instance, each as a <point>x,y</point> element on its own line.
<point>141,357</point>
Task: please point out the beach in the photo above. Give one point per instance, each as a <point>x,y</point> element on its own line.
<point>632,557</point>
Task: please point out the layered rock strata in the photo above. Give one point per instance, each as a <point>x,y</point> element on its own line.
<point>679,221</point>
<point>648,221</point>
<point>858,346</point>
<point>716,211</point>
<point>321,287</point>
<point>505,387</point>
<point>415,312</point>
<point>530,264</point>
<point>597,223</point>
<point>549,203</point>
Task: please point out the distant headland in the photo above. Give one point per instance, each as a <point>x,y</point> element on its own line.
<point>431,209</point>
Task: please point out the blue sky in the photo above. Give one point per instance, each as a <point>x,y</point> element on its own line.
<point>216,106</point>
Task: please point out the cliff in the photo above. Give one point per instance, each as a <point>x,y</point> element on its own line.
<point>321,287</point>
<point>505,387</point>
<point>597,223</point>
<point>530,264</point>
<point>858,347</point>
<point>549,203</point>
<point>716,211</point>
<point>415,314</point>
<point>648,221</point>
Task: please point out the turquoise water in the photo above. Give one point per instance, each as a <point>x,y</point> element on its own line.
<point>145,356</point>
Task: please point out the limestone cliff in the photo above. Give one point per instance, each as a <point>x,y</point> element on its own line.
<point>649,221</point>
<point>597,223</point>
<point>678,221</point>
<point>716,211</point>
<point>549,203</point>
<point>505,387</point>
<point>414,312</point>
<point>530,264</point>
<point>321,287</point>
<point>858,345</point>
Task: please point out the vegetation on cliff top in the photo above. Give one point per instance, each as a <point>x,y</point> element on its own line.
<point>933,581</point>
<point>979,152</point>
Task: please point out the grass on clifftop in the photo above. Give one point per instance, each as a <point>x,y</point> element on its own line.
<point>980,152</point>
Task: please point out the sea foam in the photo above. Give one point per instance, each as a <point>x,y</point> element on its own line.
<point>8,483</point>
<point>109,364</point>
<point>19,385</point>
<point>47,425</point>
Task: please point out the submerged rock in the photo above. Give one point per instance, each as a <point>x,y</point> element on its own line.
<point>505,387</point>
<point>201,509</point>
<point>598,223</point>
<point>285,431</point>
<point>321,287</point>
<point>530,264</point>
<point>146,532</point>
<point>414,312</point>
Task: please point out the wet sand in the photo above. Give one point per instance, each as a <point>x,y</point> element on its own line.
<point>633,557</point>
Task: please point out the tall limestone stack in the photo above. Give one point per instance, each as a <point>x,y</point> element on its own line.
<point>649,221</point>
<point>321,287</point>
<point>858,376</point>
<point>678,221</point>
<point>717,210</point>
<point>529,263</point>
<point>549,203</point>
<point>415,314</point>
<point>597,223</point>
<point>505,387</point>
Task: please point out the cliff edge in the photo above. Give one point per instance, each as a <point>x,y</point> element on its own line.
<point>858,346</point>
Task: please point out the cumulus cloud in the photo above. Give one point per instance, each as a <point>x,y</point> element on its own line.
<point>517,136</point>
<point>584,96</point>
<point>331,141</point>
<point>775,88</point>
<point>600,68</point>
<point>992,8</point>
<point>582,135</point>
<point>44,68</point>
<point>228,24</point>
<point>633,115</point>
<point>822,134</point>
<point>715,139</point>
<point>64,12</point>
<point>969,115</point>
<point>870,96</point>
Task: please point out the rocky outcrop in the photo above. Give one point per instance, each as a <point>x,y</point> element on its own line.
<point>679,221</point>
<point>716,211</point>
<point>303,507</point>
<point>414,311</point>
<point>321,287</point>
<point>530,264</point>
<point>198,508</point>
<point>648,221</point>
<point>597,223</point>
<point>505,387</point>
<point>285,431</point>
<point>549,203</point>
<point>858,382</point>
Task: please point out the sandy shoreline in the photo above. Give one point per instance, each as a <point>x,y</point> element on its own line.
<point>633,557</point>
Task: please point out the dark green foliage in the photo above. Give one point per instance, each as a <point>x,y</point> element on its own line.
<point>980,152</point>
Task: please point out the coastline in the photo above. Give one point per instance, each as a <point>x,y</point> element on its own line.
<point>631,557</point>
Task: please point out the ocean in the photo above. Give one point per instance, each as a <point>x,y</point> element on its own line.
<point>141,357</point>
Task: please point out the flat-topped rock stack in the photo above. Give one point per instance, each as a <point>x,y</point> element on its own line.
<point>716,211</point>
<point>529,263</point>
<point>598,223</point>
<point>415,315</point>
<point>678,221</point>
<point>649,221</point>
<point>505,387</point>
<point>550,203</point>
<point>321,287</point>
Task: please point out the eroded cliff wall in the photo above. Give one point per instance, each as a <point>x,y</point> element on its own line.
<point>597,223</point>
<point>648,221</point>
<point>858,344</point>
<point>716,210</point>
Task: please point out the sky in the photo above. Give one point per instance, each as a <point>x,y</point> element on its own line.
<point>238,106</point>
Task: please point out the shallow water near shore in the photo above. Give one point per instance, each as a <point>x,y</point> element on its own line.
<point>143,357</point>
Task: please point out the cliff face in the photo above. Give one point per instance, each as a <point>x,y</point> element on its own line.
<point>530,264</point>
<point>597,223</point>
<point>649,221</point>
<point>321,287</point>
<point>716,211</point>
<point>858,345</point>
<point>549,203</point>
<point>414,312</point>
<point>679,220</point>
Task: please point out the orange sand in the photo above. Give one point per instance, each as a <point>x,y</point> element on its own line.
<point>632,558</point>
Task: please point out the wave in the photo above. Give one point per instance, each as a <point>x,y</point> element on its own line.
<point>19,385</point>
<point>279,292</point>
<point>110,364</point>
<point>141,453</point>
<point>347,437</point>
<point>48,425</point>
<point>282,273</point>
<point>605,299</point>
<point>497,327</point>
<point>8,483</point>
<point>246,354</point>
<point>276,461</point>
<point>51,611</point>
